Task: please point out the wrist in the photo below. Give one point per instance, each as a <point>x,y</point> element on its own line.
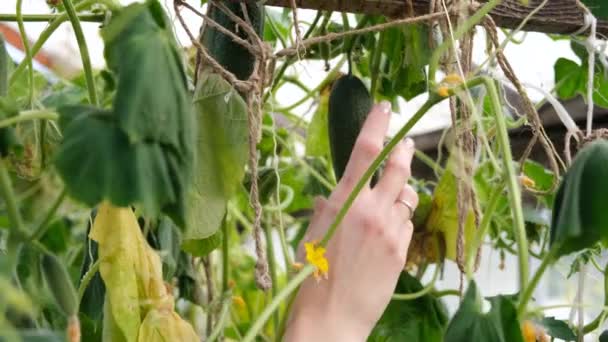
<point>324,326</point>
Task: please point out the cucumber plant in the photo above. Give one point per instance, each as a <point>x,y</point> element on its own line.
<point>125,194</point>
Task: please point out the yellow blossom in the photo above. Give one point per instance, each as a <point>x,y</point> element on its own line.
<point>443,91</point>
<point>533,333</point>
<point>316,257</point>
<point>238,301</point>
<point>453,79</point>
<point>527,182</point>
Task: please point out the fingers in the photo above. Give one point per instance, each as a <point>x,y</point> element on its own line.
<point>368,145</point>
<point>400,210</point>
<point>396,173</point>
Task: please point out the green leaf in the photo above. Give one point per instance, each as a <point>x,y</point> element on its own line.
<point>202,247</point>
<point>39,335</point>
<point>222,151</point>
<point>97,163</point>
<point>421,320</point>
<point>569,78</point>
<point>471,324</point>
<point>317,138</point>
<point>579,215</point>
<point>152,101</point>
<point>558,329</point>
<point>599,8</point>
<point>604,336</point>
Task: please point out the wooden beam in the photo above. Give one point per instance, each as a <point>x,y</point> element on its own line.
<point>557,16</point>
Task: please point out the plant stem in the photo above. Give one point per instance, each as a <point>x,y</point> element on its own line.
<point>602,315</point>
<point>28,52</point>
<point>86,279</point>
<point>96,18</point>
<point>225,256</point>
<point>443,293</point>
<point>221,320</point>
<point>287,63</point>
<point>29,115</point>
<point>44,36</point>
<point>44,224</point>
<point>483,228</point>
<point>428,288</point>
<point>17,229</point>
<point>273,272</point>
<point>376,59</point>
<point>428,161</point>
<point>512,183</point>
<point>529,290</point>
<point>84,51</point>
<point>276,302</point>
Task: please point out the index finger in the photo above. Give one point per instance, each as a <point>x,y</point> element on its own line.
<point>368,144</point>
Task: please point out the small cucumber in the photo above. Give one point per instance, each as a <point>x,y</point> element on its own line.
<point>349,106</point>
<point>60,285</point>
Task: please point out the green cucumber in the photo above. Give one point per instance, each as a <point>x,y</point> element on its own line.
<point>60,285</point>
<point>349,106</point>
<point>229,54</point>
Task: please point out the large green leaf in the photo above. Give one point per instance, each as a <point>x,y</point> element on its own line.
<point>571,79</point>
<point>580,218</point>
<point>221,154</point>
<point>471,324</point>
<point>151,101</point>
<point>421,320</point>
<point>98,163</point>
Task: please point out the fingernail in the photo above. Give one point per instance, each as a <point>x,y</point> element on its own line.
<point>385,107</point>
<point>409,142</point>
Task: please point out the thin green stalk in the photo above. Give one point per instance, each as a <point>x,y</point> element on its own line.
<point>221,321</point>
<point>483,228</point>
<point>512,183</point>
<point>476,18</point>
<point>86,279</point>
<point>291,286</point>
<point>225,256</point>
<point>29,115</point>
<point>443,293</point>
<point>28,52</point>
<point>12,208</point>
<point>44,36</point>
<point>428,161</point>
<point>331,75</point>
<point>84,51</point>
<point>602,315</point>
<point>95,18</point>
<point>290,60</point>
<point>44,224</point>
<point>376,59</point>
<point>428,288</point>
<point>274,29</point>
<point>272,267</point>
<point>526,294</point>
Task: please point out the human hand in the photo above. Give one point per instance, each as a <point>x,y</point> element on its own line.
<point>369,249</point>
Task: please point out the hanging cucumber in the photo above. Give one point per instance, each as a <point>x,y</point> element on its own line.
<point>232,56</point>
<point>349,105</point>
<point>60,285</point>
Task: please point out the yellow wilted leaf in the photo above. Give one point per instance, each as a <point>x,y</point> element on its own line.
<point>443,218</point>
<point>130,268</point>
<point>163,325</point>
